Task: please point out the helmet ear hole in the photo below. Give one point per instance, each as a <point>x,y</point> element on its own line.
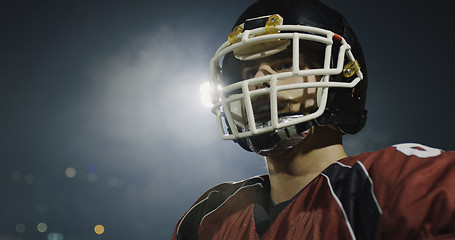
<point>355,96</point>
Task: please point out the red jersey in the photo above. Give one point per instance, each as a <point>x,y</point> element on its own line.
<point>406,191</point>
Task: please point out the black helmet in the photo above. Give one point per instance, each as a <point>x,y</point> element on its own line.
<point>303,31</point>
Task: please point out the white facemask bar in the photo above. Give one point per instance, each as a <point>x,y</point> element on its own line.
<point>221,104</point>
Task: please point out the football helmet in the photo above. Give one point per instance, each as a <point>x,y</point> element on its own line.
<point>285,67</point>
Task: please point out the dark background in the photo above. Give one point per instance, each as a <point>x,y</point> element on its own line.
<point>110,90</point>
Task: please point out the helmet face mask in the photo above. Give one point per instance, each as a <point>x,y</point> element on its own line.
<point>272,81</point>
<point>289,102</point>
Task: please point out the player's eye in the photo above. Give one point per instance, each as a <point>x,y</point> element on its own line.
<point>284,66</point>
<point>249,73</point>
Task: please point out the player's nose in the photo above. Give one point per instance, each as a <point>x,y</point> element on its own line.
<point>264,70</point>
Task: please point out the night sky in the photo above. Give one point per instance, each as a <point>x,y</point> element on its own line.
<point>101,121</point>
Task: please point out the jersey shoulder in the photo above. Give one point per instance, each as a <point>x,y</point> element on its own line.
<point>187,227</point>
<point>227,189</point>
<point>413,185</point>
<point>397,163</point>
<point>403,153</point>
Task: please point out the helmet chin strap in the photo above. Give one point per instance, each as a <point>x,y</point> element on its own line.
<point>284,139</point>
<point>278,141</point>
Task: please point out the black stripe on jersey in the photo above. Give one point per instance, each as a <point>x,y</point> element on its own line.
<point>354,189</point>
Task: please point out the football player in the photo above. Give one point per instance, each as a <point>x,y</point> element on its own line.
<point>287,84</point>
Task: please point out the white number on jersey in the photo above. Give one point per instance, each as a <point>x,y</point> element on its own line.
<point>418,150</point>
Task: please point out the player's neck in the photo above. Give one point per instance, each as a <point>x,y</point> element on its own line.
<point>292,171</point>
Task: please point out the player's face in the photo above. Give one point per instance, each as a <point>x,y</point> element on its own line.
<point>290,102</point>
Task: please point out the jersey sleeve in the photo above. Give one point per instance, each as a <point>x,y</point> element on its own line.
<point>415,188</point>
<point>188,225</point>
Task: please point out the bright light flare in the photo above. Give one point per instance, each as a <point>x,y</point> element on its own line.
<point>206,96</point>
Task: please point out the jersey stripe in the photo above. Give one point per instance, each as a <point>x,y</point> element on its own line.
<point>190,210</point>
<point>348,224</point>
<point>353,188</point>
<point>372,190</point>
